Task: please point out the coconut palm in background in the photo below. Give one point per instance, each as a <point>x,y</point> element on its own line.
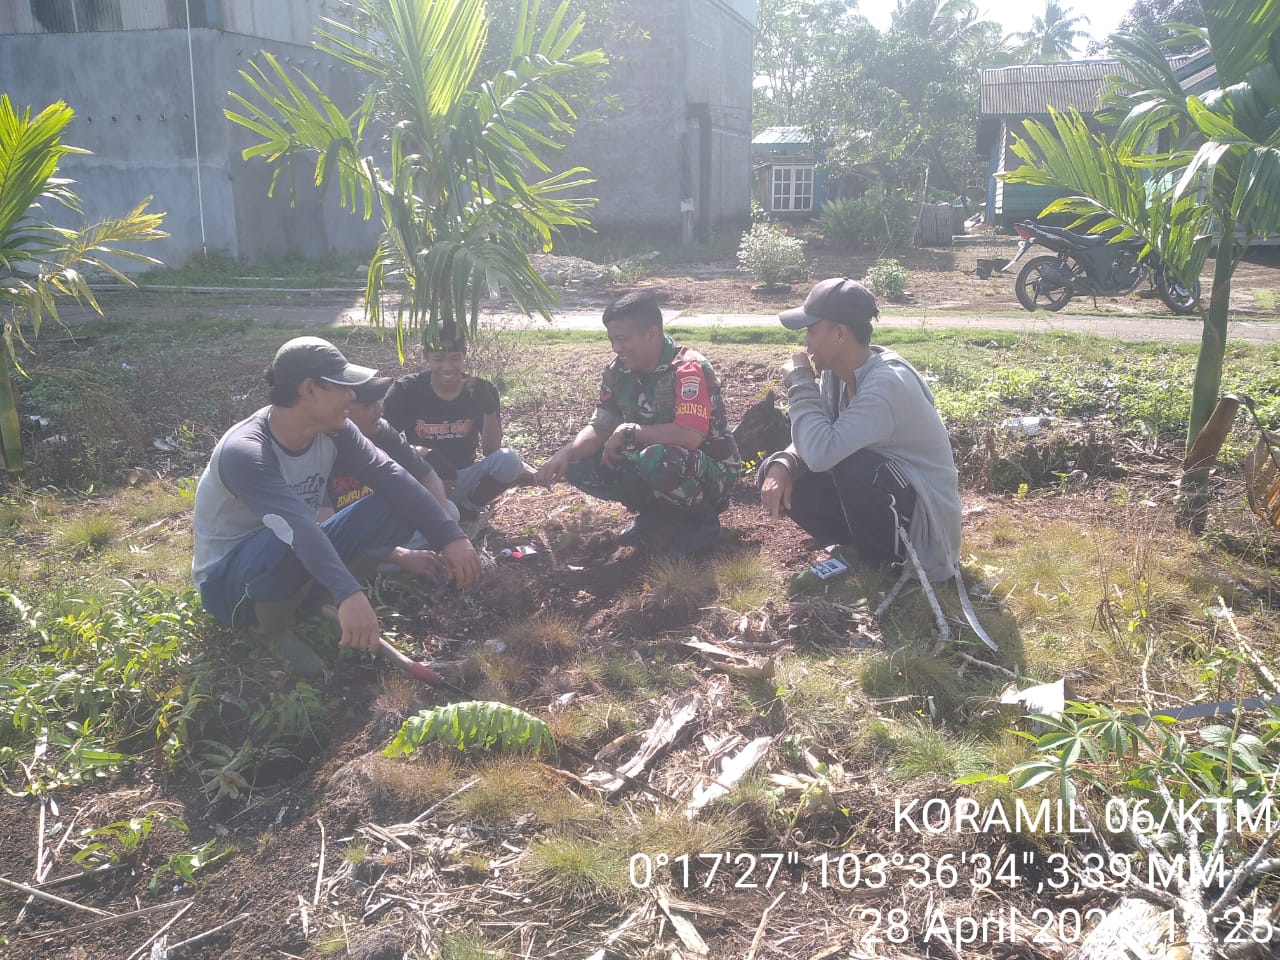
<point>1219,178</point>
<point>455,153</point>
<point>1052,36</point>
<point>41,262</point>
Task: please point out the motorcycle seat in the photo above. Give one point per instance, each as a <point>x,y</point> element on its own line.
<point>1080,239</point>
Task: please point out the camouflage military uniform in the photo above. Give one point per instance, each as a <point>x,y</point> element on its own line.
<point>683,390</point>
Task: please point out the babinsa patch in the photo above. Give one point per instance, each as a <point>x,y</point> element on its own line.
<point>689,388</point>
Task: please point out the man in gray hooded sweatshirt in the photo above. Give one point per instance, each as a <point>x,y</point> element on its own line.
<point>868,450</point>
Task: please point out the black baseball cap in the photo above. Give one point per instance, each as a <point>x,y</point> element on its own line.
<point>311,357</point>
<point>373,389</point>
<point>838,299</point>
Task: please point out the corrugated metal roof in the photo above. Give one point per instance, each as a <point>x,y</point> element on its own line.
<point>792,135</point>
<point>1030,89</point>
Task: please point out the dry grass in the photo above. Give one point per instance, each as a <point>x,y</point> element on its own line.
<point>398,697</point>
<point>677,586</point>
<point>88,535</point>
<point>822,696</point>
<point>414,783</point>
<point>745,581</point>
<point>574,865</point>
<point>593,721</point>
<point>542,637</point>
<point>512,788</point>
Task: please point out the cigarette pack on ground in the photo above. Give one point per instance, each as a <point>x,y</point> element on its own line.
<point>826,569</point>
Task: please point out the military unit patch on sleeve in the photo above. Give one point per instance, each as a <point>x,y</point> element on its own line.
<point>690,387</point>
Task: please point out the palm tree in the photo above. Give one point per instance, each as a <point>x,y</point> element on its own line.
<point>1053,36</point>
<point>40,262</point>
<point>450,182</point>
<point>1220,177</point>
<point>950,21</point>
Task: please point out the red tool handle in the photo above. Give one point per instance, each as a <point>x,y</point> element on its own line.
<point>414,668</point>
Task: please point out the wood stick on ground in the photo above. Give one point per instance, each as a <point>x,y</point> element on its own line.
<point>683,927</point>
<point>986,665</point>
<point>764,919</point>
<point>315,899</point>
<point>42,869</point>
<point>94,924</point>
<point>53,898</point>
<point>616,933</point>
<point>436,806</point>
<point>893,592</point>
<point>155,936</point>
<point>208,933</point>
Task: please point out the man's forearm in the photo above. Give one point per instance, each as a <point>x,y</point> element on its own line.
<point>669,433</point>
<point>435,486</point>
<point>587,443</point>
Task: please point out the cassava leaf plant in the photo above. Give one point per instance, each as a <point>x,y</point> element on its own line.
<point>480,724</point>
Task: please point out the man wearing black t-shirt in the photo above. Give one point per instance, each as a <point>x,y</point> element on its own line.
<point>452,415</point>
<point>365,411</point>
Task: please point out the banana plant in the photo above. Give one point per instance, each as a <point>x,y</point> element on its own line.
<point>1219,176</point>
<point>456,178</point>
<point>39,261</point>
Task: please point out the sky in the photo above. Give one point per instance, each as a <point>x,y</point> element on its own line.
<point>1015,15</point>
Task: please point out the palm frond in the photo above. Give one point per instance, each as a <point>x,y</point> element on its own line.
<point>1239,32</point>
<point>1110,193</point>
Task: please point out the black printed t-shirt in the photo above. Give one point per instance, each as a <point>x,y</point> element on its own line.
<point>450,428</point>
<point>345,485</point>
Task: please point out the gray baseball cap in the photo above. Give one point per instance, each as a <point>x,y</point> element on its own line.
<point>304,357</point>
<point>838,299</point>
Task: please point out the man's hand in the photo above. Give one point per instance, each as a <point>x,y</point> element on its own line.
<point>799,361</point>
<point>775,492</point>
<point>359,623</point>
<point>462,562</point>
<point>613,453</point>
<point>421,563</point>
<point>553,470</point>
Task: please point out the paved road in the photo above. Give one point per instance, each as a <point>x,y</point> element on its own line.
<point>335,310</point>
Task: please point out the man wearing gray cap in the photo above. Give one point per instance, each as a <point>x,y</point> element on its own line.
<point>258,547</point>
<point>868,451</point>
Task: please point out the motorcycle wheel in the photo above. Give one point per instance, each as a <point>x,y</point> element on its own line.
<point>1181,299</point>
<point>1037,293</point>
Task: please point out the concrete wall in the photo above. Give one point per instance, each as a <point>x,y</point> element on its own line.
<point>131,91</point>
<point>683,131</point>
<point>292,21</point>
<point>684,128</point>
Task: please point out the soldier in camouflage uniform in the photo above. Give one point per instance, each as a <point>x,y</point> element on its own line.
<point>659,440</point>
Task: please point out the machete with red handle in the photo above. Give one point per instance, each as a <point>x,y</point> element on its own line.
<point>414,668</point>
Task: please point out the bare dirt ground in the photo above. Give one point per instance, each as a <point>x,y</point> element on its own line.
<point>289,891</point>
<point>943,280</point>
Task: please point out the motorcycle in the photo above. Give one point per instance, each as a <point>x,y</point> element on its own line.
<point>1086,264</point>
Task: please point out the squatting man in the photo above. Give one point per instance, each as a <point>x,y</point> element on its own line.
<point>658,441</point>
<point>869,453</point>
<point>259,547</point>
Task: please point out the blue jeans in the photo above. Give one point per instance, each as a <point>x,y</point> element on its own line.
<point>264,567</point>
<point>504,466</point>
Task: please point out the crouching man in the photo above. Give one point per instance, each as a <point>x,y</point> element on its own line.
<point>659,439</point>
<point>259,548</point>
<point>869,453</point>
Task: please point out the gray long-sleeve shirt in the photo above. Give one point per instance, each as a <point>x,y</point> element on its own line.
<point>893,413</point>
<point>253,482</point>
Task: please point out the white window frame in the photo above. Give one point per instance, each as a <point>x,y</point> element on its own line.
<point>791,187</point>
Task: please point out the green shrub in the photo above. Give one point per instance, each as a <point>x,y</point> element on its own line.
<point>876,218</point>
<point>888,278</point>
<point>770,256</point>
